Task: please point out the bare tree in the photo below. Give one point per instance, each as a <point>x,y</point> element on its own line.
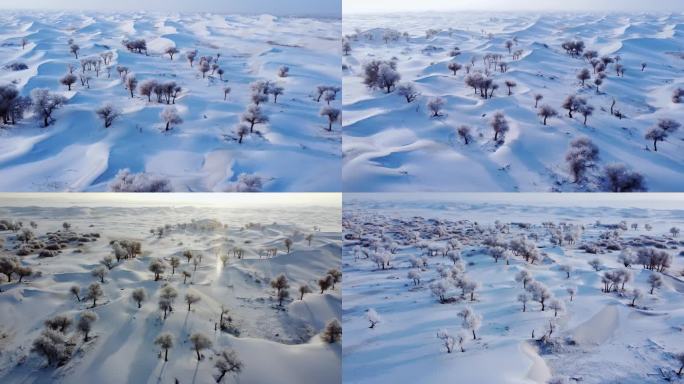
<point>407,91</point>
<point>191,56</point>
<point>584,75</point>
<point>510,84</point>
<point>227,362</point>
<point>157,267</point>
<point>74,48</point>
<point>303,289</point>
<point>191,298</point>
<point>147,87</point>
<point>618,178</point>
<point>100,273</point>
<point>454,67</point>
<point>537,99</point>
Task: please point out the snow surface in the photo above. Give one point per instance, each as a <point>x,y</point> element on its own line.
<point>275,344</point>
<point>600,338</point>
<point>390,145</point>
<point>78,154</point>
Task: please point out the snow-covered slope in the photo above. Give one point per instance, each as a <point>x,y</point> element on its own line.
<point>392,145</point>
<point>292,152</point>
<point>597,338</point>
<point>275,344</point>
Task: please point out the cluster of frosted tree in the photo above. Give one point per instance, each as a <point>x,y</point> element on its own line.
<point>54,343</point>
<point>470,322</point>
<point>328,93</point>
<point>281,285</point>
<point>10,266</point>
<point>583,156</point>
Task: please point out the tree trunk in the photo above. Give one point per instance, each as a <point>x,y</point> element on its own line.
<point>198,355</point>
<point>545,117</point>
<point>474,337</point>
<point>166,354</point>
<point>167,125</point>
<point>655,145</point>
<point>218,379</point>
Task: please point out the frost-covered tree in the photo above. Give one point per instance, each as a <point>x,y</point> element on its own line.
<point>139,296</point>
<point>655,281</point>
<point>12,104</point>
<point>332,332</point>
<point>200,342</point>
<point>557,306</point>
<point>596,264</point>
<point>510,84</point>
<point>283,295</point>
<point>131,83</point>
<point>85,323</point>
<point>598,81</point>
<point>572,104</point>
<point>454,67</point>
<point>524,277</point>
<point>586,110</point>
<point>74,48</point>
<point>372,317</point>
<point>414,275</point>
<point>581,156</point>
<point>8,266</point>
<point>125,181</point>
<point>59,323</point>
<point>147,88</point>
<point>191,298</point>
<point>254,115</point>
<point>280,283</point>
<point>635,295</point>
<point>435,105</point>
<point>108,114</point>
<point>336,274</point>
<point>303,289</point>
<point>407,91</point>
<point>170,117</point>
<point>524,298</point>
<point>618,178</point>
<point>674,231</point>
<point>241,131</point>
<point>186,274</point>
<point>567,269</point>
<point>381,74</point>
<point>174,262</point>
<point>204,67</point>
<point>165,342</point>
<point>75,290</point>
<point>546,111</point>
<point>168,294</point>
<point>52,345</point>
<point>584,75</point>
<point>68,80</point>
<point>45,103</point>
<point>100,273</point>
<point>540,293</point>
<point>227,362</point>
<point>333,114</point>
<point>157,267</point>
<point>277,90</point>
<point>471,320</point>
<point>284,71</point>
<point>572,291</point>
<point>464,132</point>
<point>191,56</point>
<point>288,244</point>
<point>537,99</point>
<point>499,125</point>
<point>447,340</point>
<point>171,51</point>
<point>325,282</point>
<point>94,292</point>
<point>23,271</point>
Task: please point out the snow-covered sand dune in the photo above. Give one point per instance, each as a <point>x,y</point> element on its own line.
<point>294,151</point>
<point>597,337</point>
<point>392,145</point>
<point>275,344</point>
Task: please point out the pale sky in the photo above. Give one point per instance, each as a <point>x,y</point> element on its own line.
<point>329,8</point>
<point>228,200</point>
<point>388,6</point>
